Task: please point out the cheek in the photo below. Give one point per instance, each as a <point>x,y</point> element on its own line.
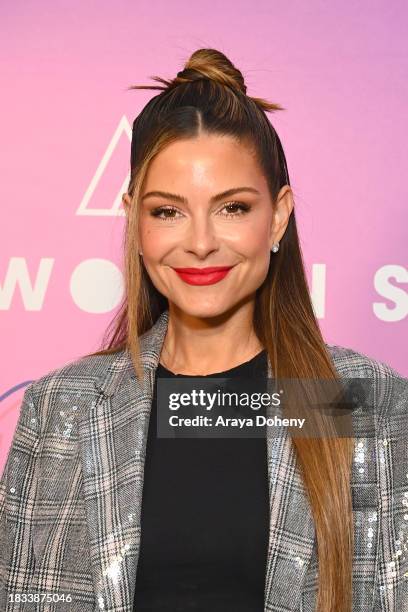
<point>257,268</point>
<point>157,241</point>
<point>252,236</point>
<point>254,244</point>
<point>249,238</point>
<point>257,247</point>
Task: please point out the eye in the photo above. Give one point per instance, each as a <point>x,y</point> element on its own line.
<point>157,212</point>
<point>234,209</point>
<point>242,208</point>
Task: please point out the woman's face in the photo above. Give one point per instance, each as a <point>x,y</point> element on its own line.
<point>195,223</point>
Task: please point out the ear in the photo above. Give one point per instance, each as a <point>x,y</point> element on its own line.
<point>126,200</point>
<point>282,210</point>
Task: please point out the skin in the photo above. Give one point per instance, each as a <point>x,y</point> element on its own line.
<point>199,233</point>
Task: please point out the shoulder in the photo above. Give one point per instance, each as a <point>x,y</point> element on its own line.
<point>354,363</point>
<point>79,377</point>
<point>388,387</point>
<point>84,371</point>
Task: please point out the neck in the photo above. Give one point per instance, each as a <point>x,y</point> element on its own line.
<point>202,346</point>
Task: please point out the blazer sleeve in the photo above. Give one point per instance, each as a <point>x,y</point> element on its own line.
<point>18,487</point>
<point>393,482</point>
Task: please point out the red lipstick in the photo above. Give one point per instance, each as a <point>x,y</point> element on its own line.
<point>203,276</point>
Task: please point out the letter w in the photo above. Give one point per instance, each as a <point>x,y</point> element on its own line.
<point>18,274</point>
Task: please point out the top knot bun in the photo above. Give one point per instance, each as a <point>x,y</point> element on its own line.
<point>214,66</point>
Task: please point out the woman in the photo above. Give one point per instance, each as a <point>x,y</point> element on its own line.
<point>98,511</point>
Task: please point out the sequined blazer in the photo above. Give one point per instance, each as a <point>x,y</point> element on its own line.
<point>71,491</point>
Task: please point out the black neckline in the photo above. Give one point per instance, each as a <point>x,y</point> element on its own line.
<point>259,357</point>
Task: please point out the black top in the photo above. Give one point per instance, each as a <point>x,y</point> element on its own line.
<point>205,517</point>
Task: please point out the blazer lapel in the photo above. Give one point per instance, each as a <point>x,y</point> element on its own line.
<point>291,526</point>
<point>113,442</point>
<point>113,445</point>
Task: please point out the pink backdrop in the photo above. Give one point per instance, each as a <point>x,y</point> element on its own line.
<point>340,70</point>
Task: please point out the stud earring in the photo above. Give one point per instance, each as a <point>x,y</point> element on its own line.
<point>275,247</point>
<point>140,253</point>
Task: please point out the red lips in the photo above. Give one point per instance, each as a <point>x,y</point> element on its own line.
<point>202,270</point>
<point>203,276</point>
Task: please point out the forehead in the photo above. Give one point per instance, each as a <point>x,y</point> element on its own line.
<point>204,158</point>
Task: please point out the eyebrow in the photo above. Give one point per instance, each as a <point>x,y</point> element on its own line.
<point>220,196</point>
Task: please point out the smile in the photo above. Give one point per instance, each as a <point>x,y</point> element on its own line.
<point>203,276</point>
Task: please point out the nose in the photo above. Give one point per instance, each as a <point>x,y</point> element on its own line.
<point>201,237</point>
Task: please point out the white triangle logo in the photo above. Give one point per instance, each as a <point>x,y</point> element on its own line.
<point>115,210</point>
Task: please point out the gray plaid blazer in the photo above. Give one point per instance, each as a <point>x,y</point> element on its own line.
<point>71,492</point>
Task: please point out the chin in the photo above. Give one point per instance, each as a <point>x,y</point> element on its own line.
<point>204,311</point>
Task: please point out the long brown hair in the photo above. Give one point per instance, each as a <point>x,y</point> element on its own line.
<point>209,96</point>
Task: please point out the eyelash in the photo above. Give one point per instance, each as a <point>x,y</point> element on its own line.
<point>245,208</point>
